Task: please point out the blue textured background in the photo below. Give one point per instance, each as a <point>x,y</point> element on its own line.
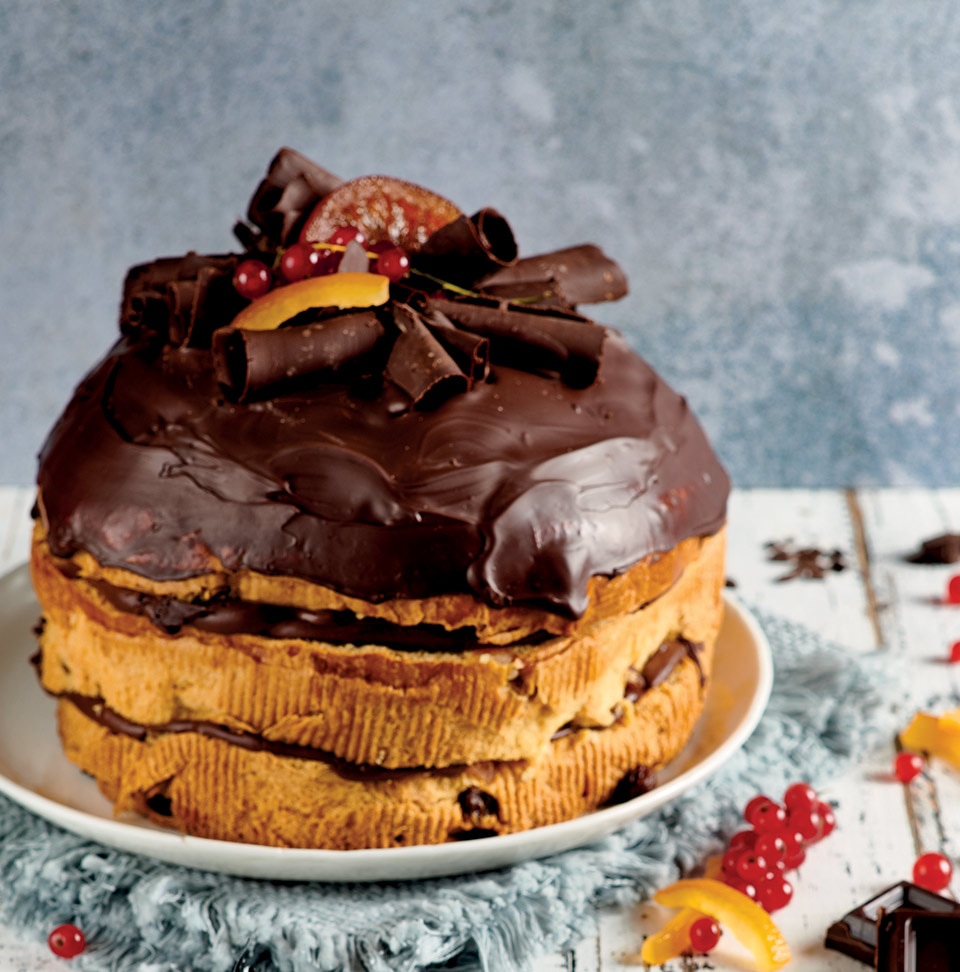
<point>781,183</point>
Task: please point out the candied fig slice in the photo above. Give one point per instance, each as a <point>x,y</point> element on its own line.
<point>384,208</point>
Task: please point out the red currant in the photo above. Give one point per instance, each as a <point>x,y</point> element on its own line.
<point>342,235</point>
<point>704,934</point>
<point>743,840</point>
<point>772,848</point>
<point>393,263</point>
<point>252,279</point>
<point>806,822</point>
<point>751,867</point>
<point>744,887</point>
<point>953,590</point>
<point>795,853</point>
<point>774,893</point>
<point>300,260</point>
<point>828,819</point>
<point>907,766</point>
<point>66,941</point>
<point>932,871</point>
<point>764,815</point>
<point>955,653</point>
<point>730,860</point>
<point>799,795</point>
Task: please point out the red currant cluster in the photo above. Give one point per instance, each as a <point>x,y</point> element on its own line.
<point>253,278</point>
<point>756,860</point>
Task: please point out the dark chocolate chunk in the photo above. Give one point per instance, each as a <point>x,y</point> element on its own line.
<point>476,833</point>
<point>477,804</point>
<point>635,782</point>
<point>856,934</point>
<point>917,941</point>
<point>944,549</point>
<point>160,804</point>
<point>807,562</point>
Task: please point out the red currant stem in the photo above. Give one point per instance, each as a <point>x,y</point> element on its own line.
<point>453,288</point>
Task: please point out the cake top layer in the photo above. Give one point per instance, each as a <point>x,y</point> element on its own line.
<point>463,429</point>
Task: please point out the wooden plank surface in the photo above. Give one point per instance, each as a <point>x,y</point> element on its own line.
<point>880,602</point>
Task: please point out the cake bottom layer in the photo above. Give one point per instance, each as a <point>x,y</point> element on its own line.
<point>211,787</point>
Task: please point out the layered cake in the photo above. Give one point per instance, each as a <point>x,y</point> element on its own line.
<point>367,536</point>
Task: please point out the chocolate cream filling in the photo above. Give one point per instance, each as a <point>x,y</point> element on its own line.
<point>229,616</point>
<point>657,668</point>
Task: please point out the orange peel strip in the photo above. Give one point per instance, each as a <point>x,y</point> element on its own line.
<point>674,938</point>
<point>334,290</point>
<point>745,919</point>
<point>937,735</point>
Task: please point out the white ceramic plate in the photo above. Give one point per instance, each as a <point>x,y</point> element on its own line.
<point>35,773</point>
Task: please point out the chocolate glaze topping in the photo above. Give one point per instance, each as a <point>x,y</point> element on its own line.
<point>517,484</point>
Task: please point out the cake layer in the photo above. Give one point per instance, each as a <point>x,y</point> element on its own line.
<point>369,703</point>
<point>211,788</point>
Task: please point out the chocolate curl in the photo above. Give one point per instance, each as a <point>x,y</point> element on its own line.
<point>467,249</point>
<point>576,275</point>
<point>291,188</point>
<point>533,337</point>
<point>182,299</point>
<point>418,363</point>
<point>470,351</point>
<point>247,362</point>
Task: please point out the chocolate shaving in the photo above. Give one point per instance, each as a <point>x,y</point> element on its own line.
<point>419,364</point>
<point>247,362</point>
<point>575,275</point>
<point>808,562</point>
<point>291,188</point>
<point>944,549</point>
<point>470,351</point>
<point>182,299</point>
<point>568,344</point>
<point>469,248</point>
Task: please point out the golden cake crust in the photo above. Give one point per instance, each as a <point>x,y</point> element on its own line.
<point>211,788</point>
<point>371,704</point>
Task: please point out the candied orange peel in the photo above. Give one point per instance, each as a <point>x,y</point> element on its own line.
<point>937,735</point>
<point>744,918</point>
<point>674,938</point>
<point>340,290</point>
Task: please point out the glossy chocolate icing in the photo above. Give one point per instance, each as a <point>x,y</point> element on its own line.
<point>518,489</point>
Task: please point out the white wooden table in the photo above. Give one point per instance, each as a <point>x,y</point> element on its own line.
<point>879,601</point>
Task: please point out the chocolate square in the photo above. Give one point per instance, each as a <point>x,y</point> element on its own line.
<point>856,934</point>
<point>918,941</point>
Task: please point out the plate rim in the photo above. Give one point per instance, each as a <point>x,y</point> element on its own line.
<point>417,862</point>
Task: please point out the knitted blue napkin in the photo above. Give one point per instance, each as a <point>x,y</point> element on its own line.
<point>825,709</point>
